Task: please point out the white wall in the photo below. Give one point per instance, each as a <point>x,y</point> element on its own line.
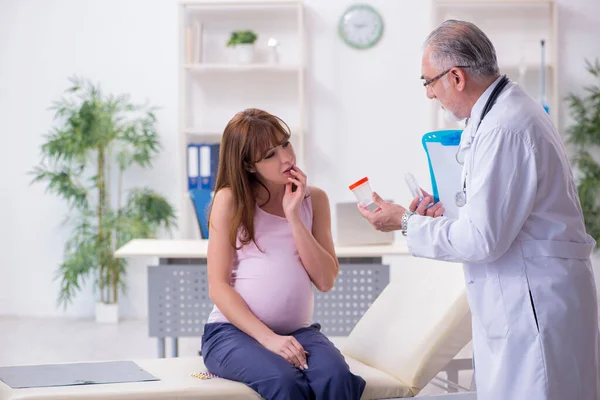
<point>367,110</point>
<point>128,46</point>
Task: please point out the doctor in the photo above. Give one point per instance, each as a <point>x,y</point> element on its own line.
<point>520,230</point>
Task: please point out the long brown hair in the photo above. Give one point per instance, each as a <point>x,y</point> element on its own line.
<point>246,140</point>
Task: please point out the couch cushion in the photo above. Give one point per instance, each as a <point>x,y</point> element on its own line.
<point>379,384</point>
<point>176,382</point>
<point>417,324</point>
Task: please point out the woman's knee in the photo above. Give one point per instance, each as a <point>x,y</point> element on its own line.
<point>284,385</point>
<point>341,375</point>
<point>294,385</point>
<point>342,383</point>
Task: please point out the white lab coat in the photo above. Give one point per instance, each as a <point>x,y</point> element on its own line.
<point>526,257</point>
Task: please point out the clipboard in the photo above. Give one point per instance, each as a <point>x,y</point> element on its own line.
<point>445,171</point>
<point>34,376</point>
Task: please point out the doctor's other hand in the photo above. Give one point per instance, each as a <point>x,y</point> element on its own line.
<point>436,210</point>
<point>388,218</point>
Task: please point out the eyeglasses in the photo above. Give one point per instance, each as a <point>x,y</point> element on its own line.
<point>435,78</point>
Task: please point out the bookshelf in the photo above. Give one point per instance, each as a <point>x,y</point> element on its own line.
<point>214,85</point>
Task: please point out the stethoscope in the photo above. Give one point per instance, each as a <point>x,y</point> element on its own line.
<point>460,198</point>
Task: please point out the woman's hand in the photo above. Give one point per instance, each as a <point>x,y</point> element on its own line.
<point>289,348</point>
<point>292,200</point>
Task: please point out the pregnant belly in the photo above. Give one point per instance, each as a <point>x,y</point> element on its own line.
<point>281,296</point>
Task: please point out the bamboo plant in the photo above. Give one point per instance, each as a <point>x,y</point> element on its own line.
<point>97,137</point>
<point>584,134</point>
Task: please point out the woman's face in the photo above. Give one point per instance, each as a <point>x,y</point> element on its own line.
<point>274,167</point>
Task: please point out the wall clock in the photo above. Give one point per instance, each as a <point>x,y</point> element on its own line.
<point>360,26</point>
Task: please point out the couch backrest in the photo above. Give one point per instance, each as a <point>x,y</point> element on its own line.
<point>417,325</point>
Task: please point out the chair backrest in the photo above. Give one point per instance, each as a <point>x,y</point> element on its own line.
<point>417,325</point>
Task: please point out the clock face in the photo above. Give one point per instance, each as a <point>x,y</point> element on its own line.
<point>361,26</point>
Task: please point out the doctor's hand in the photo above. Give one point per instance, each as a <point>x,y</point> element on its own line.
<point>436,210</point>
<point>388,218</point>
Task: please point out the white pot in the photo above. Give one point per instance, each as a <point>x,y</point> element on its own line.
<point>244,53</point>
<point>107,313</point>
<point>273,56</point>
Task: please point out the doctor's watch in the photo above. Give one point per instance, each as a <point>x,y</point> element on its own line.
<point>407,214</point>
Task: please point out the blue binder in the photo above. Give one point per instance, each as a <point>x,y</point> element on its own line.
<point>193,166</point>
<point>445,171</point>
<point>202,186</point>
<point>201,199</point>
<point>208,156</point>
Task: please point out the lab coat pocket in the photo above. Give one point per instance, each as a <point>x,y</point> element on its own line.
<point>487,306</point>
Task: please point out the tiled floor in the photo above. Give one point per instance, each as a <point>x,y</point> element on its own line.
<point>42,341</point>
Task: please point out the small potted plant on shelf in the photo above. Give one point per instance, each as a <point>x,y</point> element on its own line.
<point>243,42</point>
<point>97,138</point>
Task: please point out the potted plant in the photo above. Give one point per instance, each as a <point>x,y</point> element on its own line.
<point>584,134</point>
<point>243,42</point>
<point>96,139</point>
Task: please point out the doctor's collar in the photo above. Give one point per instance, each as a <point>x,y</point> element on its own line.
<point>480,103</point>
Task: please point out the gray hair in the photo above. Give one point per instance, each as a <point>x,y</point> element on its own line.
<point>455,43</point>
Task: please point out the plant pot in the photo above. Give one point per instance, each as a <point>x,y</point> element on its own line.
<point>244,53</point>
<point>107,313</point>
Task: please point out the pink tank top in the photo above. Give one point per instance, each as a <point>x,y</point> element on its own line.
<point>273,283</point>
